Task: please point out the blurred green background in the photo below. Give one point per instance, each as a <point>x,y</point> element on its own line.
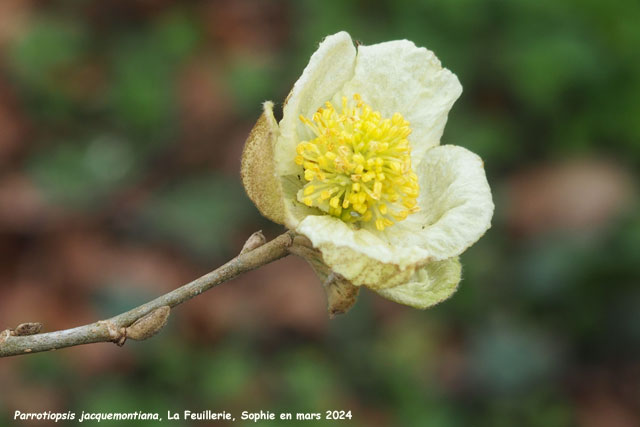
<point>121,128</point>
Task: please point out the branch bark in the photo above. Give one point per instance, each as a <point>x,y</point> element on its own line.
<point>146,319</point>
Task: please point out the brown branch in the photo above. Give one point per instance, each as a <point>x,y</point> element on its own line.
<point>144,321</point>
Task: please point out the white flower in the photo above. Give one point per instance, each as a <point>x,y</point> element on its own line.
<point>355,165</point>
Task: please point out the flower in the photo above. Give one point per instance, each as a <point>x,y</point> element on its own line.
<point>355,165</point>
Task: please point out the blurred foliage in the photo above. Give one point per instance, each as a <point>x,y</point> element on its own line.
<point>182,212</point>
<point>82,174</point>
<point>122,142</point>
<point>143,66</point>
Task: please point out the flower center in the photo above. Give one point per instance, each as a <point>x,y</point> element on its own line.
<point>358,167</point>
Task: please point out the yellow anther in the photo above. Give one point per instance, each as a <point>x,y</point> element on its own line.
<point>409,203</point>
<point>377,188</point>
<point>360,163</point>
<point>410,190</point>
<point>309,174</point>
<point>368,176</point>
<point>400,216</point>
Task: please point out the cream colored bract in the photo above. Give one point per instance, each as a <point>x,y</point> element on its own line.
<point>415,260</point>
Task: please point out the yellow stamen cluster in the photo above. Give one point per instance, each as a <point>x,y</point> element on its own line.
<point>358,167</point>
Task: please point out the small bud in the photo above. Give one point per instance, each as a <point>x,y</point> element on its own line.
<point>341,294</point>
<point>29,328</point>
<point>149,325</point>
<point>254,241</point>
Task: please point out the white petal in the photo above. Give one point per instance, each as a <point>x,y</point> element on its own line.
<point>398,77</point>
<point>455,204</point>
<point>361,256</point>
<point>428,286</point>
<point>328,69</point>
<point>455,211</point>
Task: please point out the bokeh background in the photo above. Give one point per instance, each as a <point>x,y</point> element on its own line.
<point>121,128</point>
